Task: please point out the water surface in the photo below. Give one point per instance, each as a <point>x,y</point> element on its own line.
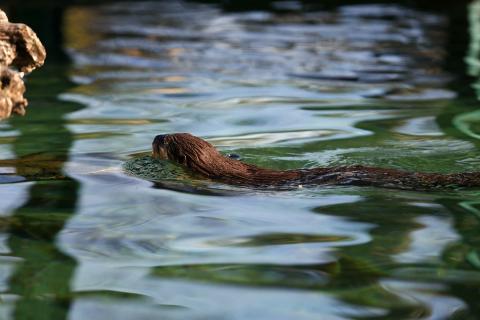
<point>88,235</point>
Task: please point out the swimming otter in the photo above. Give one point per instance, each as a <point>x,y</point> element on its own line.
<point>201,157</point>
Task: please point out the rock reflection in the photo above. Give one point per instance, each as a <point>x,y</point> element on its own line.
<point>40,278</point>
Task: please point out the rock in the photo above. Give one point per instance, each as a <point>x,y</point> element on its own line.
<point>20,52</point>
<point>12,89</point>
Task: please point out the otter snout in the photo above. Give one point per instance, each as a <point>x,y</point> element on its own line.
<point>159,147</point>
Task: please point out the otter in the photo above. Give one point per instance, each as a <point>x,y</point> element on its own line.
<point>200,157</point>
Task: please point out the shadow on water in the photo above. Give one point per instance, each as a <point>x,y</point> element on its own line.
<point>42,278</point>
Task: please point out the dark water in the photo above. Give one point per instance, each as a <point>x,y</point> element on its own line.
<point>88,234</point>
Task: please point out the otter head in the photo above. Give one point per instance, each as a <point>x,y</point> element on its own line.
<point>184,149</point>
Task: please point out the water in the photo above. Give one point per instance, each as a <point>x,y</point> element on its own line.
<point>87,232</point>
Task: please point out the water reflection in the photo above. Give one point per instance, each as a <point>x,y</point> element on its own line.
<point>283,90</point>
<point>354,85</point>
<point>186,66</point>
<point>39,281</point>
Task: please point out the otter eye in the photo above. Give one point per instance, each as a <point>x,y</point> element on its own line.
<point>234,156</point>
<point>160,139</point>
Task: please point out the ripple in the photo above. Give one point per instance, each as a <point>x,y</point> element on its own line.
<point>276,239</point>
<point>265,275</point>
<point>276,137</point>
<point>115,122</point>
<point>424,126</point>
<point>423,95</point>
<point>290,88</point>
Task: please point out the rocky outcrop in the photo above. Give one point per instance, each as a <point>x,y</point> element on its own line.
<point>20,52</point>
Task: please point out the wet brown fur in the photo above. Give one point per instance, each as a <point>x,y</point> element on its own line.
<point>201,157</point>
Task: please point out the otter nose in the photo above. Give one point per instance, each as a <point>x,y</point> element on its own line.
<point>159,140</point>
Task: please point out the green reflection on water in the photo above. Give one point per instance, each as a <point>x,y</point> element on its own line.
<point>359,273</point>
<point>42,278</point>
